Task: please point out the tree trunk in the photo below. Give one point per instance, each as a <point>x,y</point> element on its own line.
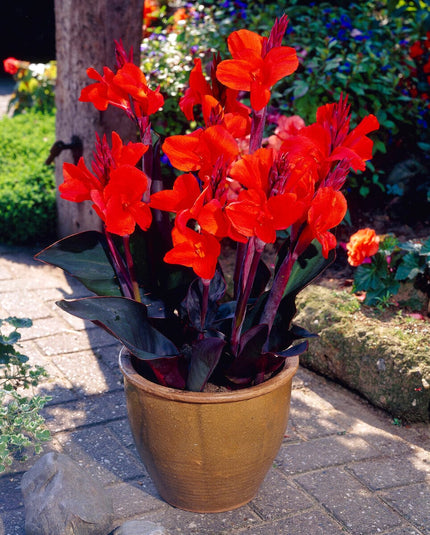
<point>85,34</point>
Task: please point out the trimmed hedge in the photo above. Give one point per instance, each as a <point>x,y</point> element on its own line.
<point>27,185</point>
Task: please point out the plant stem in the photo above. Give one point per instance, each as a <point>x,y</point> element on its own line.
<point>130,267</point>
<point>277,291</point>
<point>249,270</point>
<point>119,267</point>
<point>205,301</point>
<point>257,129</point>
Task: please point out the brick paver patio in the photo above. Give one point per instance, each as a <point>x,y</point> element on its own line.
<point>344,467</point>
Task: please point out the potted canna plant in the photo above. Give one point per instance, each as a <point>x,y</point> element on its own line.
<point>208,367</point>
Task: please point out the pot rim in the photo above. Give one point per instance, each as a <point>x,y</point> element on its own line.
<point>185,396</point>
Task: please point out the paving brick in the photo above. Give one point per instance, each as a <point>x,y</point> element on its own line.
<point>407,530</point>
<point>88,374</point>
<point>309,523</point>
<point>122,430</point>
<point>12,522</point>
<point>413,502</point>
<point>277,497</point>
<point>314,417</point>
<point>322,452</point>
<point>382,439</point>
<point>67,342</point>
<point>97,450</point>
<point>176,521</point>
<point>10,492</point>
<point>26,304</point>
<point>84,412</point>
<point>392,472</point>
<point>109,354</point>
<point>135,498</point>
<point>348,501</point>
<point>44,327</point>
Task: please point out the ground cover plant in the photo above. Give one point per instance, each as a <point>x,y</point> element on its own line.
<point>27,185</point>
<point>21,425</point>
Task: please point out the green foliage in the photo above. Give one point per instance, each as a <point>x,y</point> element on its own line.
<point>394,263</point>
<point>27,186</point>
<point>21,425</point>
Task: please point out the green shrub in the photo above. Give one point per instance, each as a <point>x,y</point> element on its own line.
<point>27,185</point>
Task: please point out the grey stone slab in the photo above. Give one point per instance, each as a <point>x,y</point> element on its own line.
<point>87,373</point>
<point>413,502</point>
<point>277,497</point>
<point>310,523</point>
<point>84,412</point>
<point>97,449</point>
<point>135,498</point>
<point>322,452</point>
<point>62,497</point>
<point>361,512</point>
<point>392,471</point>
<point>177,521</point>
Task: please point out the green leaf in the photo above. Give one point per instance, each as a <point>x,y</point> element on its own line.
<point>84,256</point>
<point>409,267</point>
<point>309,265</point>
<point>125,319</point>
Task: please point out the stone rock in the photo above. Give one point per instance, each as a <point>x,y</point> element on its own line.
<point>386,360</point>
<point>61,498</point>
<point>140,527</point>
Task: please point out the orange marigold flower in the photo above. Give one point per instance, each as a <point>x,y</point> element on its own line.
<point>361,245</point>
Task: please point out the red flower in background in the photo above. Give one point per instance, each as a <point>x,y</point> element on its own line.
<point>361,245</point>
<point>11,65</point>
<point>258,63</point>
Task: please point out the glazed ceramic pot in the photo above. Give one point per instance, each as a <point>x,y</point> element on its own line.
<point>207,452</point>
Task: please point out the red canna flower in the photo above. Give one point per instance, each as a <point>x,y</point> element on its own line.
<point>185,191</point>
<point>117,89</point>
<point>361,245</point>
<point>198,250</point>
<point>327,210</point>
<point>330,143</point>
<point>219,103</point>
<point>201,150</point>
<point>122,199</point>
<point>79,181</point>
<point>114,185</point>
<point>267,204</point>
<point>258,63</point>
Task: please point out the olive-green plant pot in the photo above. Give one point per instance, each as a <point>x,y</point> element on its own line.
<point>207,452</point>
